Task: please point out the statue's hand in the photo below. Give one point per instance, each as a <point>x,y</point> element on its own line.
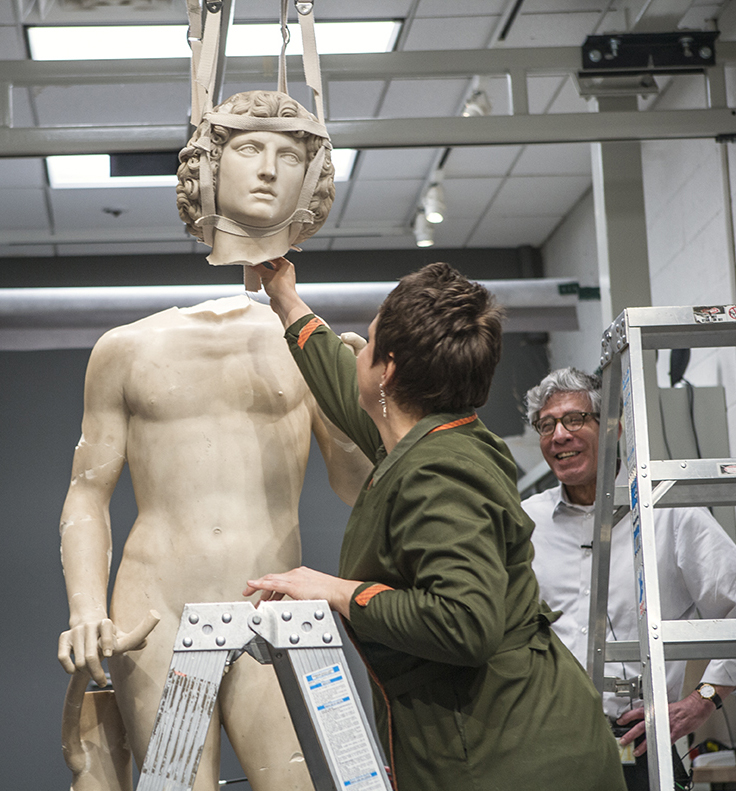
<point>353,341</point>
<point>83,646</point>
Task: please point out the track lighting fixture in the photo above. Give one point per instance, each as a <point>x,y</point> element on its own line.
<point>434,204</point>
<point>423,231</point>
<point>477,104</point>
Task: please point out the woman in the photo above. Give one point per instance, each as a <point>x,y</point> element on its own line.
<point>472,690</point>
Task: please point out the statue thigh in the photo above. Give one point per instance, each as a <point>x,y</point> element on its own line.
<point>258,725</point>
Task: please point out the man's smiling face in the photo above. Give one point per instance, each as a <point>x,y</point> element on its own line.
<point>572,455</point>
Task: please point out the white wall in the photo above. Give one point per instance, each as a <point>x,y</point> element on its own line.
<point>690,246</point>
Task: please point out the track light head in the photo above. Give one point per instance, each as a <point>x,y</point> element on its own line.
<point>423,231</point>
<point>477,104</point>
<point>434,204</point>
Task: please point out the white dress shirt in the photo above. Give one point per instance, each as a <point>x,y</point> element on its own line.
<point>697,574</point>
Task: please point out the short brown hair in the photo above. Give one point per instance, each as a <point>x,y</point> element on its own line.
<point>444,334</point>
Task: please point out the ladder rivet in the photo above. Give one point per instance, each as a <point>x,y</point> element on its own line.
<point>220,640</point>
<point>227,617</point>
<point>683,465</point>
<point>646,505</point>
<point>656,636</point>
<point>319,615</point>
<point>193,618</point>
<point>294,639</point>
<point>286,616</point>
<point>187,642</point>
<point>327,638</point>
<point>256,619</point>
<point>643,466</point>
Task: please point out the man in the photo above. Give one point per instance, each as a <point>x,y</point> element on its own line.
<point>696,560</point>
<point>207,407</point>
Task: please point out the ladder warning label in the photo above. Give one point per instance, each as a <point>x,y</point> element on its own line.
<point>343,732</point>
<point>707,314</point>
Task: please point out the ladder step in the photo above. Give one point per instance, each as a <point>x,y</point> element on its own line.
<point>698,639</point>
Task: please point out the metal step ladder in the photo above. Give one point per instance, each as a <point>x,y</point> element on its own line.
<point>301,640</point>
<point>652,484</point>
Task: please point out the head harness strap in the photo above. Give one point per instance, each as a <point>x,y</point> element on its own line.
<point>204,67</point>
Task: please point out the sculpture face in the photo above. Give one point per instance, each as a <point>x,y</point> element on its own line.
<point>260,177</point>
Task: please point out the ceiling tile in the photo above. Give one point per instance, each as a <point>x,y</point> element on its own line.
<point>21,209</point>
<point>427,8</point>
<point>566,29</point>
<point>471,161</point>
<point>463,33</point>
<point>468,198</point>
<point>560,6</point>
<point>139,207</point>
<point>527,196</point>
<point>560,159</point>
<point>381,201</point>
<point>393,163</point>
<point>342,190</point>
<point>349,100</point>
<point>7,14</point>
<point>25,172</point>
<point>545,93</point>
<point>147,103</point>
<point>513,231</point>
<point>423,98</point>
<point>11,43</point>
<point>453,232</point>
<point>297,90</point>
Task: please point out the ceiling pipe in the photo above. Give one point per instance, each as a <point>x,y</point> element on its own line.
<point>58,318</point>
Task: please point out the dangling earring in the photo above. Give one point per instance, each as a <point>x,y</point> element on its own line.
<point>382,399</point>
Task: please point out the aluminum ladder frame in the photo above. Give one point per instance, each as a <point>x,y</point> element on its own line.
<point>679,482</point>
<point>301,640</point>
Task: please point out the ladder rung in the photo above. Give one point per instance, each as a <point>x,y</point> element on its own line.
<point>699,639</point>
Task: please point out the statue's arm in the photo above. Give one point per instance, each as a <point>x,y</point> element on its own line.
<point>86,543</point>
<point>347,465</point>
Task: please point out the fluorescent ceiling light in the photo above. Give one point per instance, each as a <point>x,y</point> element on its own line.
<point>88,171</point>
<point>128,42</point>
<point>343,159</point>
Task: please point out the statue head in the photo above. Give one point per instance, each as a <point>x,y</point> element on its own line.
<point>226,144</point>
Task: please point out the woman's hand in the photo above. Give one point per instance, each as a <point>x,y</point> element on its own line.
<point>304,583</point>
<point>280,285</point>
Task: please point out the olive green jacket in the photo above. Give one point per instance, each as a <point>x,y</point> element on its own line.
<point>472,690</point>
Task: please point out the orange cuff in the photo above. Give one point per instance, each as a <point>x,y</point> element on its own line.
<point>307,330</point>
<point>366,595</point>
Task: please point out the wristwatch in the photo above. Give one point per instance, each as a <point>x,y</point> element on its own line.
<point>708,692</point>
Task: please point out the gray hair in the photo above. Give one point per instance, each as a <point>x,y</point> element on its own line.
<point>563,380</point>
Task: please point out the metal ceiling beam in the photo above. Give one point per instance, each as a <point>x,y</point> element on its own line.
<point>430,64</point>
<point>399,132</point>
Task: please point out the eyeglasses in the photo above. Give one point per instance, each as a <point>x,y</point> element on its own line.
<point>572,421</point>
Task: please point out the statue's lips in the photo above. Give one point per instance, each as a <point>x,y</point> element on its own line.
<point>263,194</point>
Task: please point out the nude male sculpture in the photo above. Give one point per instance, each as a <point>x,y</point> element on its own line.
<point>210,412</point>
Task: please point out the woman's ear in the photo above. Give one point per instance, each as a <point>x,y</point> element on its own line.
<point>389,371</point>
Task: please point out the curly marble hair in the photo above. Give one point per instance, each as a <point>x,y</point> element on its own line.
<point>261,104</point>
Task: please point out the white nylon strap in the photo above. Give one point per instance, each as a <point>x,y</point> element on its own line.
<point>310,57</point>
<point>205,47</point>
<point>252,123</point>
<point>285,36</point>
<point>304,216</point>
